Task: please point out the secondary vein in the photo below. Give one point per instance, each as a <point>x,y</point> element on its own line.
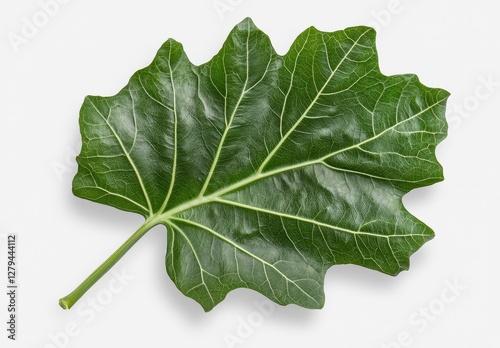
<point>136,171</point>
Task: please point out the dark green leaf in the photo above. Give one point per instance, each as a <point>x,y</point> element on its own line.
<point>267,170</point>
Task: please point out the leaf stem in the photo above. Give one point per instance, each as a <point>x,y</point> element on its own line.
<point>68,301</point>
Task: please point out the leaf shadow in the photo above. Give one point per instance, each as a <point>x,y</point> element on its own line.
<point>420,197</point>
<point>103,215</point>
<point>358,277</point>
<point>246,301</point>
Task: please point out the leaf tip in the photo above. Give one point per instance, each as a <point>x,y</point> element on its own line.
<point>247,22</point>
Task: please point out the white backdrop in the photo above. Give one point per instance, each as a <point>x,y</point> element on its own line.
<point>54,52</point>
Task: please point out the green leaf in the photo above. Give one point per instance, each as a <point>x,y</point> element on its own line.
<point>266,170</point>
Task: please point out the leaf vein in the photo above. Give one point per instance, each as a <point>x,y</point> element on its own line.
<point>136,171</point>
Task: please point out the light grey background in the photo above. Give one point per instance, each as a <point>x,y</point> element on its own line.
<point>448,299</point>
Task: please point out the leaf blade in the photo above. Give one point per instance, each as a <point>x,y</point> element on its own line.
<point>268,169</point>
